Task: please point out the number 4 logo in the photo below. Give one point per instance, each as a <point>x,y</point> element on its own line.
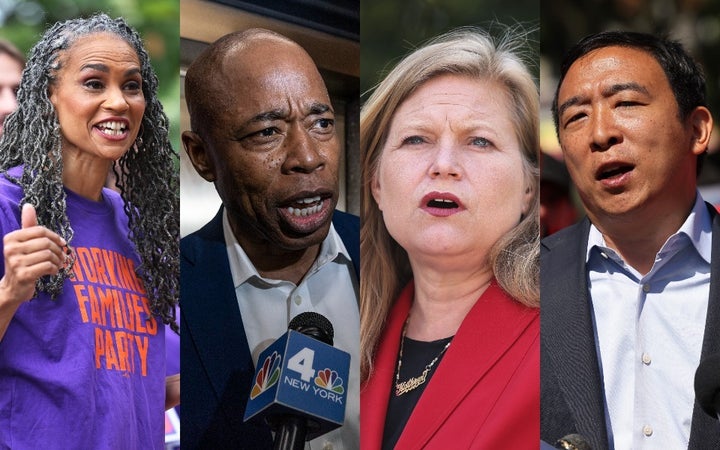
<point>302,363</point>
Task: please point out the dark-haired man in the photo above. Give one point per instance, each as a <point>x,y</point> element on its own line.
<point>263,132</point>
<point>630,296</point>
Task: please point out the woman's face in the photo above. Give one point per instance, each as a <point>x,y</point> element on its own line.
<point>98,97</point>
<point>451,181</point>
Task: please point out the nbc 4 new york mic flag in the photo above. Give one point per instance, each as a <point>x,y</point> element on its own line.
<point>301,375</point>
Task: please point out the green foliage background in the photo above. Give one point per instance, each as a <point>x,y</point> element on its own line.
<point>391,29</point>
<point>157,21</point>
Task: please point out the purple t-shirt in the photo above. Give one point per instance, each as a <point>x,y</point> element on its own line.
<point>86,370</point>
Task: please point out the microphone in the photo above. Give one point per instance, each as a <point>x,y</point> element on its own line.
<point>314,325</point>
<point>300,383</point>
<point>707,385</point>
<point>573,442</point>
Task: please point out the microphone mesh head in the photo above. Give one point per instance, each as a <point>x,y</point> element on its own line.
<point>573,442</point>
<point>314,325</point>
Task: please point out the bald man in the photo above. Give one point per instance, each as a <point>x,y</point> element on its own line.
<point>263,132</point>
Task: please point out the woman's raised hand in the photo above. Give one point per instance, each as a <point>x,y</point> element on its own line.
<point>30,252</point>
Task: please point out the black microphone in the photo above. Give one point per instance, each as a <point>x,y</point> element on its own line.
<point>314,325</point>
<point>707,385</point>
<point>573,442</point>
<point>300,383</point>
<point>291,429</point>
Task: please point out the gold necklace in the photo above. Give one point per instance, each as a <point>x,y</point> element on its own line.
<point>412,383</point>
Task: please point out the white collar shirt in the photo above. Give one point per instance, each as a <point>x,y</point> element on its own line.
<point>648,334</point>
<point>329,288</point>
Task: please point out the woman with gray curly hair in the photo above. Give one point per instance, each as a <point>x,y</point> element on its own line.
<point>450,249</point>
<point>89,276</point>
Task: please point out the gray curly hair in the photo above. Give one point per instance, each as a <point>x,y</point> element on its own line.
<point>146,173</point>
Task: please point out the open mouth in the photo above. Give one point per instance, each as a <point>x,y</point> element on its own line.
<point>306,212</point>
<point>442,203</point>
<point>305,206</point>
<point>113,128</point>
<point>613,171</point>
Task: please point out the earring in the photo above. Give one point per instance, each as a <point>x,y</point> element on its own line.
<point>139,139</point>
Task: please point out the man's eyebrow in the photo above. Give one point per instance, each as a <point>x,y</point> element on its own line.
<point>267,116</point>
<point>282,114</point>
<point>239,131</point>
<point>572,101</point>
<point>607,92</point>
<point>320,108</point>
<point>620,87</point>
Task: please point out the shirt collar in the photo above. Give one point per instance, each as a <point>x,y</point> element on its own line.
<point>697,227</point>
<point>242,269</point>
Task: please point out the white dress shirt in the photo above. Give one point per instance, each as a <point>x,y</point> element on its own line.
<point>649,331</point>
<point>329,288</point>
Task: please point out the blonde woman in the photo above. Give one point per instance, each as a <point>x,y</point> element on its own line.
<point>449,243</point>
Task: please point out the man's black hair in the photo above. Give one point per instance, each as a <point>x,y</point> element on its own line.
<point>686,78</point>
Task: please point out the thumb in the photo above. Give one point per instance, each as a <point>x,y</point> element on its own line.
<point>29,217</point>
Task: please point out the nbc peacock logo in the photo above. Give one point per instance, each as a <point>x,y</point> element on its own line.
<point>329,379</point>
<point>267,376</point>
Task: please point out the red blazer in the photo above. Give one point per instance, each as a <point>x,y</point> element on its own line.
<point>485,393</point>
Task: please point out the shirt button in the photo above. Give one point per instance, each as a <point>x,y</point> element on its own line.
<point>646,288</point>
<point>646,359</point>
<point>298,299</point>
<point>327,446</point>
<point>647,430</point>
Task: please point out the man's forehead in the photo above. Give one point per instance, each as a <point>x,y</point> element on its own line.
<point>279,47</point>
<point>266,57</point>
<point>253,75</point>
<point>615,57</point>
<point>615,65</point>
<point>263,93</point>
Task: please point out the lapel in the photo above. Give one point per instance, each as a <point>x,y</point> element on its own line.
<point>209,307</point>
<point>488,332</point>
<point>375,394</point>
<point>568,348</point>
<point>568,353</point>
<point>213,317</point>
<point>492,323</point>
<point>348,227</point>
<point>705,432</point>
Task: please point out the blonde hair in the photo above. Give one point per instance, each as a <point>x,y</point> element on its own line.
<point>515,258</point>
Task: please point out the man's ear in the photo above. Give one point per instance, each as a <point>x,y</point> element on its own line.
<point>702,123</point>
<point>196,150</point>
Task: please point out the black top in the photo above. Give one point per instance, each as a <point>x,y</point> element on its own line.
<point>416,356</point>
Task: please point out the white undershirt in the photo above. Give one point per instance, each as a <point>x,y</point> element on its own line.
<point>329,288</point>
<point>649,333</point>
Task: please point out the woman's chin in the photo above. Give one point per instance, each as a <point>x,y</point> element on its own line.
<point>443,247</point>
